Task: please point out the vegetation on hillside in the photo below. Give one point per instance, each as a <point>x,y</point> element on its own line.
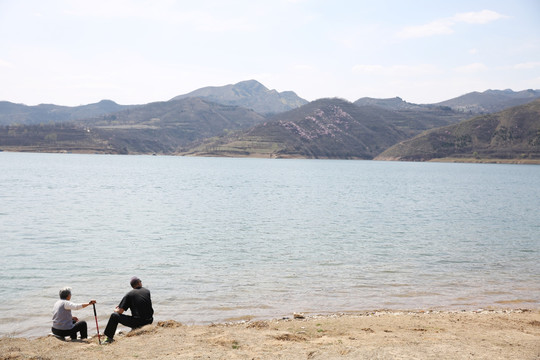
<point>510,134</point>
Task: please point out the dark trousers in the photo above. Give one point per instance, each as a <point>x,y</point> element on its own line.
<point>126,320</point>
<point>72,333</point>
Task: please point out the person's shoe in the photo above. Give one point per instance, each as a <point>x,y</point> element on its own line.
<point>107,341</point>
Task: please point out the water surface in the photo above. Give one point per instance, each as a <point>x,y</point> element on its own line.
<point>216,239</point>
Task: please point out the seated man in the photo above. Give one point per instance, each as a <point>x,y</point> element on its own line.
<point>140,303</point>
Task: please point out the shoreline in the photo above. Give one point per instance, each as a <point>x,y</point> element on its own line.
<point>382,334</point>
<point>516,161</point>
<point>506,306</point>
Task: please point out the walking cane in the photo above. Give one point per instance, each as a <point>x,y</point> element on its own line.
<point>97,327</point>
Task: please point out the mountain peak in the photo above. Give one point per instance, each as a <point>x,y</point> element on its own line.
<point>250,94</point>
<point>252,85</point>
<point>395,103</point>
<point>107,102</point>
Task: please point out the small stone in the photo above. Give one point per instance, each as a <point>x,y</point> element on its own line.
<point>299,316</point>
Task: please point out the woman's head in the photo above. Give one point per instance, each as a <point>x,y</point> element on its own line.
<point>65,293</point>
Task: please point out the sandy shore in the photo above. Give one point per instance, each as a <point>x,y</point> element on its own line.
<point>485,334</point>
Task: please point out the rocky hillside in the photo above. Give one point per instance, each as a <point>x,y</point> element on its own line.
<point>326,128</point>
<point>320,133</point>
<point>510,134</point>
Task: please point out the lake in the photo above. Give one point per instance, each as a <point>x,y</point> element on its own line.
<point>224,239</point>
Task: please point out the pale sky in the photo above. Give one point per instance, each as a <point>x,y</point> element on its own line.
<point>74,52</point>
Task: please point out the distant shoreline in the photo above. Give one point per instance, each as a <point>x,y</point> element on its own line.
<point>488,161</point>
<point>264,156</point>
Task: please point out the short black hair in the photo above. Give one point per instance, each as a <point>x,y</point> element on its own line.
<point>64,293</point>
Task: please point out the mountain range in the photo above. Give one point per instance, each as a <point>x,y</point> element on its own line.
<point>248,94</point>
<point>244,119</point>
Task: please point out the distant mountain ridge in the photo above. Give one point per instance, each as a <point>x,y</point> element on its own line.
<point>490,101</point>
<point>396,103</point>
<point>250,94</point>
<point>11,113</point>
<point>474,102</point>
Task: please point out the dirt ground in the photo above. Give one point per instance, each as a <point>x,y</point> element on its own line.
<point>485,334</point>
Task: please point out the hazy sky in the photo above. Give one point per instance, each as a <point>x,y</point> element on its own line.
<point>75,52</point>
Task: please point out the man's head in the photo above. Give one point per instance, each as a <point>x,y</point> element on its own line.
<point>135,282</point>
<point>65,293</point>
